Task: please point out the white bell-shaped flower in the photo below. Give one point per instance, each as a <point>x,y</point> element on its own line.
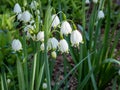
<point>52,43</point>
<point>63,46</point>
<point>17,8</point>
<point>55,20</point>
<point>33,5</point>
<point>87,1</point>
<point>26,16</point>
<point>44,86</point>
<point>95,1</point>
<point>65,28</point>
<point>16,45</point>
<point>40,36</point>
<point>76,38</point>
<point>101,14</point>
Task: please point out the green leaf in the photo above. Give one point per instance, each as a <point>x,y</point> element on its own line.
<point>111,60</point>
<point>20,76</point>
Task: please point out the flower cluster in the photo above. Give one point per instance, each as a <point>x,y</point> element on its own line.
<point>53,43</point>
<point>28,19</point>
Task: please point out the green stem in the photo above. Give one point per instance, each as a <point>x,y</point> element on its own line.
<point>47,68</point>
<point>25,61</point>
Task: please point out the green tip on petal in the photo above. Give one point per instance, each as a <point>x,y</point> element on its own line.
<point>64,16</point>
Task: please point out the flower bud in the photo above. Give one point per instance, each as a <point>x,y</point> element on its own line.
<point>44,86</point>
<point>42,47</point>
<point>54,55</point>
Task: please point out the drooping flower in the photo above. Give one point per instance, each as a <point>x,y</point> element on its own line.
<point>54,55</point>
<point>101,14</point>
<point>95,1</point>
<point>87,1</point>
<point>63,46</point>
<point>76,38</point>
<point>17,8</point>
<point>44,86</point>
<point>26,16</point>
<point>40,36</point>
<point>65,28</point>
<point>52,43</point>
<point>16,45</point>
<point>55,20</point>
<point>33,5</point>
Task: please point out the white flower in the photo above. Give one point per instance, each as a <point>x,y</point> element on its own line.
<point>95,1</point>
<point>52,43</point>
<point>26,16</point>
<point>19,16</point>
<point>54,55</point>
<point>63,46</point>
<point>56,20</point>
<point>119,72</point>
<point>40,36</point>
<point>100,14</point>
<point>17,8</point>
<point>65,28</point>
<point>28,28</point>
<point>42,47</point>
<point>8,81</point>
<point>16,45</point>
<point>33,5</point>
<point>76,38</point>
<point>44,86</point>
<point>87,1</point>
